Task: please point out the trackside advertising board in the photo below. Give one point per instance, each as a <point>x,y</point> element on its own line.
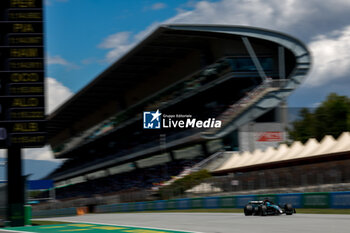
<point>340,200</point>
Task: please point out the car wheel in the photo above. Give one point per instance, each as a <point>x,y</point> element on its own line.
<point>288,209</point>
<point>248,210</point>
<point>263,210</point>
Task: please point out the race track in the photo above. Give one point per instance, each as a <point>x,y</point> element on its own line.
<point>223,222</point>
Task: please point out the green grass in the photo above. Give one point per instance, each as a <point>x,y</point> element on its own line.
<point>323,211</point>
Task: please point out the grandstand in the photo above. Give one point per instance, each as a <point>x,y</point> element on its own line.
<point>311,167</point>
<point>233,74</point>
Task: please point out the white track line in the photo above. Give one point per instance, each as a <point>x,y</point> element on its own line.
<point>15,231</point>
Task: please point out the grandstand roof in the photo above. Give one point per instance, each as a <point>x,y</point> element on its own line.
<point>160,49</point>
<point>328,149</point>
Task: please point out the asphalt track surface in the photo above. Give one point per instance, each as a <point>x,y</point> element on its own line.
<point>222,222</point>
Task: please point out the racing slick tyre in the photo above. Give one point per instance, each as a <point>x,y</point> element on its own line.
<point>248,210</point>
<point>288,209</point>
<point>263,210</point>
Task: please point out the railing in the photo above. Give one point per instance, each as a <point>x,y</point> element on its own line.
<point>206,161</point>
<point>243,104</point>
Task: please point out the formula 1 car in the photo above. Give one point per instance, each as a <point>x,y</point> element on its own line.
<point>266,207</point>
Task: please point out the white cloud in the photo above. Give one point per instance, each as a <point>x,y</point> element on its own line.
<point>158,6</point>
<point>57,94</point>
<point>58,60</point>
<point>142,34</point>
<point>90,60</point>
<point>294,16</point>
<point>119,43</point>
<point>300,18</point>
<point>114,40</point>
<point>44,153</point>
<point>155,7</point>
<point>331,57</point>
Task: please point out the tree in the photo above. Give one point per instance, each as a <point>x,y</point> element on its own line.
<point>181,185</point>
<point>332,117</point>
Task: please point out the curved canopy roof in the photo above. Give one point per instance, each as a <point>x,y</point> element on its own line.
<point>312,149</point>
<point>161,48</point>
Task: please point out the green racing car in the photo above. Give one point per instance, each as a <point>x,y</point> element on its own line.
<point>267,207</point>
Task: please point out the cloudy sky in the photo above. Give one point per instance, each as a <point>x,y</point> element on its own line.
<point>83,37</point>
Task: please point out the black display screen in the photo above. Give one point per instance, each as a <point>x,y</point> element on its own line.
<point>22,101</point>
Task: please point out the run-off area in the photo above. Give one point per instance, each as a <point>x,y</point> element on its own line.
<point>83,227</point>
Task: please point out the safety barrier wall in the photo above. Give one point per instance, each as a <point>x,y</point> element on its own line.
<point>54,212</point>
<point>298,200</point>
<point>340,200</point>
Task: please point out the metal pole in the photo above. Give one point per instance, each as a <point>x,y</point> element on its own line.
<point>281,63</point>
<point>15,187</point>
<point>254,58</point>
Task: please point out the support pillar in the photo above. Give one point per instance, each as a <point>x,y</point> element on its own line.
<point>15,187</point>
